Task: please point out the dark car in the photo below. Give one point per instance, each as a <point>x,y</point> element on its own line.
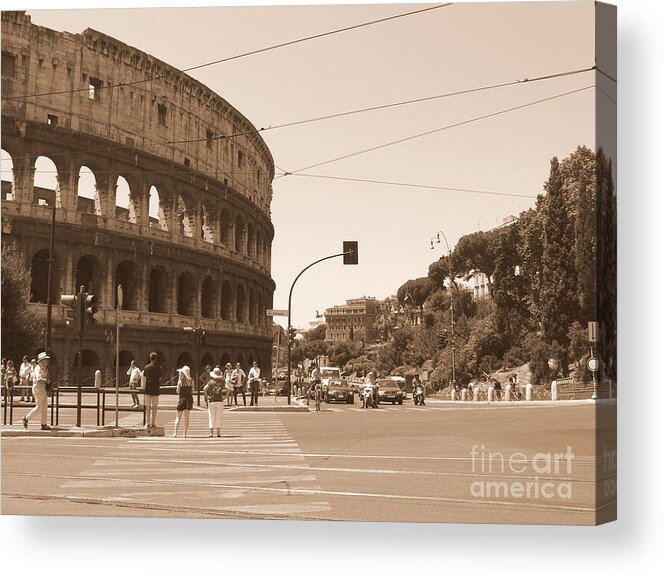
<point>390,391</point>
<point>339,390</point>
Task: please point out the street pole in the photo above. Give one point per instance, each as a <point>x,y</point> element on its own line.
<point>49,302</point>
<point>289,317</point>
<point>119,307</point>
<point>81,302</point>
<point>451,286</point>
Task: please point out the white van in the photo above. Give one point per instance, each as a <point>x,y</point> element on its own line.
<point>329,373</point>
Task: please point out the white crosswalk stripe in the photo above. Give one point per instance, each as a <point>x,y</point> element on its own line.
<point>236,472</point>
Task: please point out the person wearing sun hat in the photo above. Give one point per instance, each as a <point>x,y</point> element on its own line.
<point>40,376</point>
<point>185,399</point>
<point>214,396</point>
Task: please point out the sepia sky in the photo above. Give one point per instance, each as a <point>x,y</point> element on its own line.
<point>455,48</point>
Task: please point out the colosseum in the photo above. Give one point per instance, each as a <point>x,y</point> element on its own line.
<point>155,182</point>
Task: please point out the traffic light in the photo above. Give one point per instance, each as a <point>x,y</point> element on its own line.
<point>72,311</point>
<point>350,251</point>
<point>292,335</point>
<point>90,307</point>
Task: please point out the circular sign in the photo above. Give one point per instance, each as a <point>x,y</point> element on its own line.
<point>593,364</point>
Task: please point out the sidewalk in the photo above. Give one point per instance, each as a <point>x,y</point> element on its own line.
<point>130,421</point>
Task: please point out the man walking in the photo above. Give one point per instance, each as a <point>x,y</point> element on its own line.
<point>254,377</point>
<point>238,378</point>
<point>134,382</point>
<point>40,376</point>
<point>25,373</point>
<point>153,375</point>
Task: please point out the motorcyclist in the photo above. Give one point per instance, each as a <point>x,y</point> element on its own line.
<point>417,387</point>
<point>371,380</point>
<point>315,380</point>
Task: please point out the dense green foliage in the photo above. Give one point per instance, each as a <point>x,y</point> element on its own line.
<point>544,270</point>
<point>22,328</point>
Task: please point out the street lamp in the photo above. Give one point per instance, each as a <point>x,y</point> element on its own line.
<point>452,282</point>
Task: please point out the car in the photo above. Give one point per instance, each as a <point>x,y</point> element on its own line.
<point>338,390</point>
<point>389,391</point>
<point>329,373</point>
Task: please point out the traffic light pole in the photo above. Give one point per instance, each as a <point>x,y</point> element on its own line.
<point>289,317</point>
<point>49,295</point>
<point>81,302</point>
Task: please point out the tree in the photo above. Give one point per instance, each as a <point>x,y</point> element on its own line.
<point>415,292</point>
<point>22,329</point>
<point>558,298</point>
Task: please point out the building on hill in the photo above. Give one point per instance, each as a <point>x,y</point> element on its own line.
<point>353,321</point>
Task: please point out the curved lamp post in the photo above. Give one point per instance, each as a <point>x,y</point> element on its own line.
<point>452,282</point>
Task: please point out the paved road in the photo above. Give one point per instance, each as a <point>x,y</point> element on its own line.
<point>441,462</point>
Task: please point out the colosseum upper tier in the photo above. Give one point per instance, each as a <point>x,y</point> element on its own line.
<point>191,243</point>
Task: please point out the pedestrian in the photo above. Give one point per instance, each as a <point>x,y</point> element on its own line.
<point>228,385</point>
<point>25,373</point>
<point>98,379</point>
<point>254,377</point>
<point>214,396</point>
<point>185,399</point>
<point>10,379</point>
<point>238,379</point>
<point>134,382</point>
<point>153,380</point>
<point>40,377</point>
<point>315,380</point>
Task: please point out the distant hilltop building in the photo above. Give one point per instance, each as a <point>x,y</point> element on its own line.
<point>478,283</point>
<point>353,321</point>
<point>150,191</point>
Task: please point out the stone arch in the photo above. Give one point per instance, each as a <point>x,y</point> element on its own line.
<point>125,208</point>
<point>208,224</point>
<point>158,290</point>
<point>89,364</point>
<point>260,247</point>
<point>207,359</point>
<point>226,301</point>
<point>7,175</point>
<point>240,303</point>
<point>88,274</point>
<point>252,306</point>
<point>39,274</point>
<point>239,359</point>
<point>126,275</point>
<point>158,209</point>
<point>250,242</point>
<point>88,197</point>
<point>226,358</point>
<point>46,189</point>
<point>186,215</point>
<point>239,235</point>
<point>186,295</point>
<point>226,229</point>
<point>185,358</point>
<point>208,297</point>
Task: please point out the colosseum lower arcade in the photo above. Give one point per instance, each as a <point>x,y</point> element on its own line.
<point>157,184</point>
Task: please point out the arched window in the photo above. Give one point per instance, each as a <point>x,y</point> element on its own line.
<point>186,295</point>
<point>126,276</point>
<point>240,304</point>
<point>7,175</point>
<point>158,283</point>
<point>88,199</point>
<point>227,302</point>
<point>39,273</point>
<point>208,297</point>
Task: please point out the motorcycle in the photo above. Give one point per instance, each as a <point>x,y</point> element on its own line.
<point>419,396</point>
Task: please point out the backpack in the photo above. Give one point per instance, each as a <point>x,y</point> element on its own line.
<point>215,393</point>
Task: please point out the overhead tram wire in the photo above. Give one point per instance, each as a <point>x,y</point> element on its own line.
<point>419,186</point>
<point>436,130</point>
<point>155,145</point>
<point>245,54</point>
<point>394,105</point>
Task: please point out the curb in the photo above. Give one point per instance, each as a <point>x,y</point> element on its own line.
<point>278,408</point>
<point>87,432</point>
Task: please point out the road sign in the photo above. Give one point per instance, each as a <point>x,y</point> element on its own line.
<point>277,312</point>
<point>593,364</point>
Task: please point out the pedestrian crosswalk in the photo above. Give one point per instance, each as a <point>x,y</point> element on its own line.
<point>255,469</point>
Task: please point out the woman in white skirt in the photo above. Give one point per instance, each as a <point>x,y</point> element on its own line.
<point>228,386</point>
<point>214,396</point>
